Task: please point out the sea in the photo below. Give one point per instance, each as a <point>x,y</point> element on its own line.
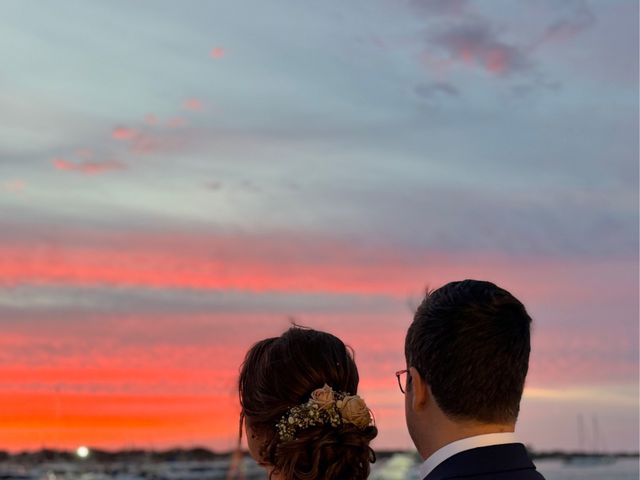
<point>622,469</point>
<point>405,467</point>
<point>400,466</point>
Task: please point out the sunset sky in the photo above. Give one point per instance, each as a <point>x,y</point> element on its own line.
<point>180,179</point>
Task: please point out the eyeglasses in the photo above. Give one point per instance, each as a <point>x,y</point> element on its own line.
<point>403,378</point>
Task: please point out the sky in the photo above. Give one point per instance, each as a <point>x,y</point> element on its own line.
<point>179,180</point>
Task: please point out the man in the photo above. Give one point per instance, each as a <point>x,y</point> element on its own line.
<point>467,354</point>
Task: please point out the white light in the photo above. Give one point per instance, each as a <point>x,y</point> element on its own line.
<point>82,452</point>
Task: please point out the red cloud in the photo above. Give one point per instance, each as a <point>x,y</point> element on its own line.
<point>89,168</point>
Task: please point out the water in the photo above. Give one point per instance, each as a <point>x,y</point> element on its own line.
<point>404,467</point>
<point>398,467</point>
<point>623,469</point>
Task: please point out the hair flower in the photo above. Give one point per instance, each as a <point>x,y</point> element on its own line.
<point>323,397</point>
<point>324,407</point>
<point>354,410</point>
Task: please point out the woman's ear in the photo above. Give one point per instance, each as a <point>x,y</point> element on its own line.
<point>420,391</point>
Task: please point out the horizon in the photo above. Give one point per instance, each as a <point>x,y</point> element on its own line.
<point>246,452</point>
<point>179,183</point>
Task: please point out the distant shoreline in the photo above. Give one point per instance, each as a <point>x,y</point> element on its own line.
<point>203,454</point>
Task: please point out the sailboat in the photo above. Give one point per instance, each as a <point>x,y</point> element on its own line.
<point>596,456</point>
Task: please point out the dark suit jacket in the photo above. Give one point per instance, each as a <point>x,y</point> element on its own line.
<point>500,462</point>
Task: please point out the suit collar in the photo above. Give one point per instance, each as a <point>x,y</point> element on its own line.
<point>468,443</point>
<point>483,460</point>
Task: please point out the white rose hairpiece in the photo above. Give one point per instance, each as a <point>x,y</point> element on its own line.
<point>325,407</point>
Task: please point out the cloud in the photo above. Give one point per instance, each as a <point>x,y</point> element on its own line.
<point>430,90</point>
<point>213,185</point>
<point>193,104</point>
<point>440,7</point>
<point>217,52</point>
<point>124,133</point>
<point>87,167</point>
<point>24,302</point>
<point>84,153</point>
<point>287,262</point>
<point>151,137</point>
<point>176,122</point>
<point>477,44</point>
<point>149,142</point>
<point>14,186</point>
<point>578,19</point>
<point>151,119</point>
<point>67,419</point>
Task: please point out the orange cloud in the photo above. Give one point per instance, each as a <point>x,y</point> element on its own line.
<point>66,420</point>
<point>89,168</point>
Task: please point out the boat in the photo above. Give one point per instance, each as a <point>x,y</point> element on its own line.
<point>596,455</point>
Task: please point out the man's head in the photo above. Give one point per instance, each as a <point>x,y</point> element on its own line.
<point>468,350</point>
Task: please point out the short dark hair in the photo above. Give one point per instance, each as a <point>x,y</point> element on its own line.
<point>470,341</point>
<point>281,372</point>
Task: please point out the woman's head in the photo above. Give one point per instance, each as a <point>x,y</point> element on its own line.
<point>281,373</point>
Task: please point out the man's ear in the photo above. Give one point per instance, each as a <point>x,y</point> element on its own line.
<point>421,392</point>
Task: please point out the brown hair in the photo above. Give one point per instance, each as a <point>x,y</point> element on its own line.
<point>470,341</point>
<point>281,372</point>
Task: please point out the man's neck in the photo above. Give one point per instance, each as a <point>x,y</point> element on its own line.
<point>455,432</point>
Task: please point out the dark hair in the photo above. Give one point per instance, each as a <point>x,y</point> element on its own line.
<point>280,373</point>
<point>470,341</point>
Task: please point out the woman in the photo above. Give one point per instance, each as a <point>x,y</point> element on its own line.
<point>302,416</point>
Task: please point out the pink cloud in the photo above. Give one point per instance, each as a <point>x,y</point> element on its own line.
<point>217,52</point>
<point>14,186</point>
<point>89,168</point>
<point>147,144</point>
<point>84,153</point>
<point>144,142</point>
<point>124,133</point>
<point>285,262</point>
<point>477,45</point>
<point>151,119</point>
<point>193,104</point>
<point>176,122</point>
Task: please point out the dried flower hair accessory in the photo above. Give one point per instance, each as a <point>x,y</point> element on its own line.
<point>325,407</point>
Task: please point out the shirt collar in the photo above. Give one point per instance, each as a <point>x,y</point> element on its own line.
<point>458,446</point>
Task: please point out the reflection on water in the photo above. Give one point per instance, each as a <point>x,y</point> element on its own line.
<point>400,466</point>
<point>404,467</point>
<point>622,469</point>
